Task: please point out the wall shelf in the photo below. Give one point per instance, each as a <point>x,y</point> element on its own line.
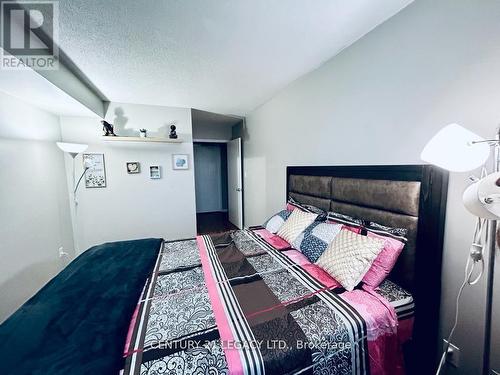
<point>140,139</point>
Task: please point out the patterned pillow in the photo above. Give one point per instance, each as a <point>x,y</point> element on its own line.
<point>275,222</point>
<point>368,226</point>
<point>345,219</point>
<point>349,257</point>
<point>292,204</point>
<point>315,239</point>
<point>397,233</point>
<point>295,224</point>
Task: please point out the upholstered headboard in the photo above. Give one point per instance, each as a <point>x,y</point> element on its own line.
<point>404,196</point>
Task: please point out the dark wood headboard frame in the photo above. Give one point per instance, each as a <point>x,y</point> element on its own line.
<point>429,245</point>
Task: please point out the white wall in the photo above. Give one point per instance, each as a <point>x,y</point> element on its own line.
<point>34,209</point>
<point>219,132</point>
<point>134,206</point>
<point>378,102</point>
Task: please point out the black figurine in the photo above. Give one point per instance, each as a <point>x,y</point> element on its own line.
<point>173,133</point>
<point>108,128</point>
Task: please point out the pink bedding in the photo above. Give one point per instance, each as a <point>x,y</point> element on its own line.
<point>385,332</point>
<point>384,343</point>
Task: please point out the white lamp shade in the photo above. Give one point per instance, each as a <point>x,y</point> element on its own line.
<point>482,198</point>
<point>451,149</point>
<point>72,148</point>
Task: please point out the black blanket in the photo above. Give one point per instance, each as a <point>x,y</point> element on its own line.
<point>78,322</point>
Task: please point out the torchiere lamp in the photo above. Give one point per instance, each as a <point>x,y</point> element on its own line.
<point>73,149</point>
<point>459,150</point>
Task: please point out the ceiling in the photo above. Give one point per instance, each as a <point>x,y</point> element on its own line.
<point>225,56</point>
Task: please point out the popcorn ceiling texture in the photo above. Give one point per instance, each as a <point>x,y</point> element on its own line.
<point>222,56</point>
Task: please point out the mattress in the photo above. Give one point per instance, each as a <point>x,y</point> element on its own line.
<point>399,298</point>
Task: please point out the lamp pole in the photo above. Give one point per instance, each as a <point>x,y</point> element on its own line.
<point>492,235</point>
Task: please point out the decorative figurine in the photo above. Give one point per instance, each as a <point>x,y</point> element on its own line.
<point>173,133</point>
<point>143,133</point>
<point>108,128</point>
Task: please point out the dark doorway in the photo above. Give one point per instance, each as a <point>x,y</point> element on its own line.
<point>213,222</point>
<point>210,168</point>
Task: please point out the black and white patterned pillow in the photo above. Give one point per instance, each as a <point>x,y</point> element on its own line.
<point>370,226</point>
<point>313,241</point>
<point>322,214</point>
<point>345,219</point>
<point>275,222</point>
<point>398,233</point>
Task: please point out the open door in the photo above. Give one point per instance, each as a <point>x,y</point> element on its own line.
<point>235,183</point>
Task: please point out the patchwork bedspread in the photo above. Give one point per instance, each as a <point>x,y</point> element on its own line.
<point>233,304</point>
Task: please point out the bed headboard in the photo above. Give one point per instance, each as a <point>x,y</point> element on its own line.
<point>405,196</point>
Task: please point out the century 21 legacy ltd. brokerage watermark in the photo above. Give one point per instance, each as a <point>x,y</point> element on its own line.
<point>29,34</point>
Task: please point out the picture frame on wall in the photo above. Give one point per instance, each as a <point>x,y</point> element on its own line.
<point>133,167</point>
<point>154,172</point>
<point>180,161</point>
<point>95,175</point>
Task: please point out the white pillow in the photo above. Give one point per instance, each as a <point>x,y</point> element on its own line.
<point>349,257</point>
<point>295,225</point>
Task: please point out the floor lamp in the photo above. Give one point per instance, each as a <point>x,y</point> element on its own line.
<point>73,149</point>
<point>459,150</point>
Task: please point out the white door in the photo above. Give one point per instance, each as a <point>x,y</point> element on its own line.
<point>235,183</point>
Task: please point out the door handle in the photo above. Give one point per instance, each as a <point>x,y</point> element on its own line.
<point>238,189</point>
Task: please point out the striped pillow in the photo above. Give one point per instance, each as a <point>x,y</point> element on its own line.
<point>368,226</point>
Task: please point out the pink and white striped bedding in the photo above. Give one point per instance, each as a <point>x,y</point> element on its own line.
<point>234,296</point>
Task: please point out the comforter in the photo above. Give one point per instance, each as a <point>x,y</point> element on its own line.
<point>77,322</point>
<point>233,304</point>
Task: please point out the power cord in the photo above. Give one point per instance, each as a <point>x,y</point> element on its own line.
<point>476,255</point>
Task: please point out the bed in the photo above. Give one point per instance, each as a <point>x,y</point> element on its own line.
<point>238,296</point>
<point>234,303</point>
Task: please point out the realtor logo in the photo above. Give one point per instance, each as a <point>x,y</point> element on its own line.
<point>29,34</point>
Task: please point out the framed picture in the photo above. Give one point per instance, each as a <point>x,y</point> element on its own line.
<point>154,172</point>
<point>180,161</point>
<point>133,167</point>
<point>95,175</point>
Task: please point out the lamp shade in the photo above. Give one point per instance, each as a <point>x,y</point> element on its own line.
<point>72,148</point>
<point>452,149</point>
<point>482,198</point>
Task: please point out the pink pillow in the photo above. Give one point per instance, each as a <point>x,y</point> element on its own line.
<point>321,275</point>
<point>384,262</point>
<point>275,241</point>
<point>312,269</point>
<point>356,230</point>
<point>297,257</point>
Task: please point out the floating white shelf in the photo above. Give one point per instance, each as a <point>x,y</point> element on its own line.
<point>141,139</point>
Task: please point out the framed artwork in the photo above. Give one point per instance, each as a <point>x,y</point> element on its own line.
<point>133,167</point>
<point>154,172</point>
<point>95,175</point>
<point>180,161</point>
